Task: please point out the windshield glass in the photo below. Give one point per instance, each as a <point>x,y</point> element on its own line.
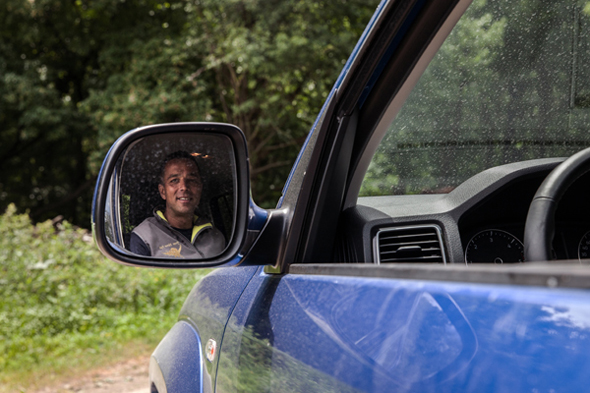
<point>510,83</point>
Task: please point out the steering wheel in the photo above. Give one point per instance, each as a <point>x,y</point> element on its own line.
<point>540,221</point>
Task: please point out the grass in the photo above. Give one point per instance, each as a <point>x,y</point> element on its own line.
<point>63,303</point>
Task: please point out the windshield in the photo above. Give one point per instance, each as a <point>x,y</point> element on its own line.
<point>510,83</point>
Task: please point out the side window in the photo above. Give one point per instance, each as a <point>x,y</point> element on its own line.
<point>510,83</point>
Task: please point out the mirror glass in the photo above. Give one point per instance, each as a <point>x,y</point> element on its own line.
<point>173,196</point>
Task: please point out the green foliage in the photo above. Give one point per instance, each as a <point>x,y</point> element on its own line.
<point>76,75</point>
<point>52,53</point>
<point>59,296</point>
<point>265,66</point>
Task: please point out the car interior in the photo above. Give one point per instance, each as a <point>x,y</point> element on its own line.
<point>450,150</point>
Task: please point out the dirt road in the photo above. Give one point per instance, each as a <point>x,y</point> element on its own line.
<point>129,376</point>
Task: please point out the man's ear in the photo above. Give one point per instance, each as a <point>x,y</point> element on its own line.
<point>161,189</point>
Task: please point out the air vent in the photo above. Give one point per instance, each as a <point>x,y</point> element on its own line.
<point>409,244</point>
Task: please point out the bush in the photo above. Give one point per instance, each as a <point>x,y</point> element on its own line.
<point>59,295</point>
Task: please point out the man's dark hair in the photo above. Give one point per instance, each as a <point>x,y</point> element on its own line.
<point>180,154</point>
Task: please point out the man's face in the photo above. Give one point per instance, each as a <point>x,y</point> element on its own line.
<point>182,187</point>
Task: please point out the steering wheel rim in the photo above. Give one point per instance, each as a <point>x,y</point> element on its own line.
<point>540,222</point>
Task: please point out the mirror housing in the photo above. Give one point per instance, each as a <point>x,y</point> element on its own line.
<point>130,175</point>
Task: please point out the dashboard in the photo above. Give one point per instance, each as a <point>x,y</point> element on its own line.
<point>493,231</point>
<point>480,221</point>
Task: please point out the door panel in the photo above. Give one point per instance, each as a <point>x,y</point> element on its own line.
<point>208,308</point>
<point>327,333</point>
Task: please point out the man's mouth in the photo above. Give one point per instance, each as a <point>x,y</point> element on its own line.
<point>184,199</point>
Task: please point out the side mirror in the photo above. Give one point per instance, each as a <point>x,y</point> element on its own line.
<point>174,195</point>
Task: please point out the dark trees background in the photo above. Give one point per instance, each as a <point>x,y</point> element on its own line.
<point>77,74</point>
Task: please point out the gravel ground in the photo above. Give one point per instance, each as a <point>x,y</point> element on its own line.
<point>129,376</point>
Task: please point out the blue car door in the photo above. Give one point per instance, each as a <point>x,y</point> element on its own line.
<point>308,332</point>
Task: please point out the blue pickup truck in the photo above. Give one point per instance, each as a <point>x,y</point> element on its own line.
<point>432,236</point>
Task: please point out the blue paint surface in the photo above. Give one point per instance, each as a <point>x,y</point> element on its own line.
<point>402,335</point>
<point>179,358</point>
<point>211,302</point>
<point>257,217</point>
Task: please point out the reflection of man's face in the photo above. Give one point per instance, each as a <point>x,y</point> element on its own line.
<point>181,188</point>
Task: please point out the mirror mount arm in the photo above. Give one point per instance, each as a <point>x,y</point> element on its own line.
<point>269,246</point>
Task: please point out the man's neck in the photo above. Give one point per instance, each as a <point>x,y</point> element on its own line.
<point>180,222</point>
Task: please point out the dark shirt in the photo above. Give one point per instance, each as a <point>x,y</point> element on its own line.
<point>155,237</point>
<point>138,246</point>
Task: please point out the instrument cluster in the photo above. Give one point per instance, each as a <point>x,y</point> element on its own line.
<point>500,246</point>
<point>493,231</point>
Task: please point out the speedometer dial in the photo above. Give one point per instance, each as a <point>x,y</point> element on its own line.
<point>495,246</point>
<point>584,247</point>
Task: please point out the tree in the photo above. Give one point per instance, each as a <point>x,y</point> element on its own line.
<point>265,66</point>
<point>52,53</point>
<point>77,74</point>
